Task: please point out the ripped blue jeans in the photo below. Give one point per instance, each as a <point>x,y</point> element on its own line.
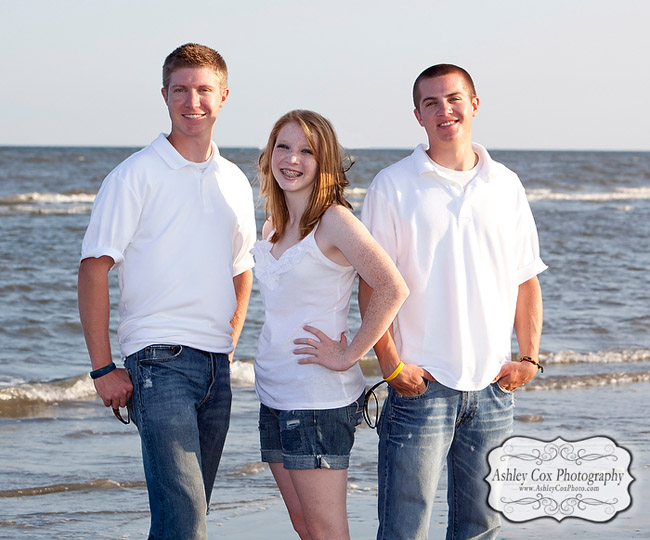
<point>181,406</point>
<point>417,436</point>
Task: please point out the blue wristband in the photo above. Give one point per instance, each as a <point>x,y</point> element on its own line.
<point>97,373</point>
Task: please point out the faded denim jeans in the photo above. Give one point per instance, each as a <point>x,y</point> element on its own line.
<point>417,435</point>
<point>181,406</point>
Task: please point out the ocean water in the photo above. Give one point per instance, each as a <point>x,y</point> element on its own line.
<point>68,469</point>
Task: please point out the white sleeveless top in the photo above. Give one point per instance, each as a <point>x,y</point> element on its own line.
<point>302,287</point>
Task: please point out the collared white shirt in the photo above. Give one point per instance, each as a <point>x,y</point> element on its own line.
<point>463,254</point>
<point>178,235</point>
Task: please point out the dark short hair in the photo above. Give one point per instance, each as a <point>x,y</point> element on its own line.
<point>438,71</point>
<point>194,55</point>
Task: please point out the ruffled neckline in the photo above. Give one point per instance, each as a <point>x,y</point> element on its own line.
<point>268,269</point>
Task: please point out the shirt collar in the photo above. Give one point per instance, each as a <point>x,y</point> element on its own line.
<point>174,160</point>
<point>424,165</point>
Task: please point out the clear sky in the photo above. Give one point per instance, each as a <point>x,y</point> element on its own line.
<point>556,74</point>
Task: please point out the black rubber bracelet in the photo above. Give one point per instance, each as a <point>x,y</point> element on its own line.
<point>97,373</point>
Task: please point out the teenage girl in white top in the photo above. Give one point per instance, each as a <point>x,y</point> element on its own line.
<point>302,177</point>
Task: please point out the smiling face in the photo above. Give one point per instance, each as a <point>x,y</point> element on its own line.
<point>194,97</point>
<point>445,110</point>
<point>293,163</point>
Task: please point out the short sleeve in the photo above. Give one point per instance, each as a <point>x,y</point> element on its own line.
<point>245,235</point>
<point>377,216</point>
<point>113,220</point>
<point>527,241</point>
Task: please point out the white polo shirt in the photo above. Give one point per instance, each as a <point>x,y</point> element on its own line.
<point>463,254</point>
<point>178,234</point>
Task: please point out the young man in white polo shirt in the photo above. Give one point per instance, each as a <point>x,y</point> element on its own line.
<point>177,220</point>
<point>460,230</point>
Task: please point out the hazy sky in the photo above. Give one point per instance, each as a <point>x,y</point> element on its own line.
<point>557,74</point>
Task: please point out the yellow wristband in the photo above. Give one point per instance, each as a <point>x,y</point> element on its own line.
<point>395,373</point>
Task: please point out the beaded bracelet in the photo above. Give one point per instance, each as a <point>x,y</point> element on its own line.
<point>97,373</point>
<point>532,361</point>
<point>395,373</point>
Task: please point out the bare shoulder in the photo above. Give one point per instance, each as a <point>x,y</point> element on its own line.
<point>338,215</point>
<point>341,227</point>
<point>267,228</point>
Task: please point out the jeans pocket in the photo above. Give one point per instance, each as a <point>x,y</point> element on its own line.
<point>129,404</point>
<point>355,410</point>
<point>160,353</point>
<point>502,389</point>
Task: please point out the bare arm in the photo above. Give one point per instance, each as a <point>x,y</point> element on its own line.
<point>114,388</point>
<point>243,284</point>
<point>410,381</point>
<point>528,328</point>
<point>341,231</point>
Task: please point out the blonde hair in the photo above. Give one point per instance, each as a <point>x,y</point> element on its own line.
<point>330,180</point>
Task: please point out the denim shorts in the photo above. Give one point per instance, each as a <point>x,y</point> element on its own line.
<point>309,439</point>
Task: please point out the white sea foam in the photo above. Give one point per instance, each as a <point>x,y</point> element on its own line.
<point>44,210</point>
<point>585,381</point>
<point>358,192</point>
<point>242,373</point>
<point>73,389</point>
<point>92,485</point>
<point>48,198</point>
<point>619,194</point>
<point>80,388</point>
<point>544,194</point>
<point>600,357</point>
<point>247,469</point>
<point>47,203</point>
<point>7,380</point>
<point>73,203</point>
<point>18,397</point>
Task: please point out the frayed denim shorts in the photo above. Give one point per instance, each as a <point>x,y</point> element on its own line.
<point>309,439</point>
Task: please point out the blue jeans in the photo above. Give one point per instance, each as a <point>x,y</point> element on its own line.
<point>416,436</point>
<point>181,406</point>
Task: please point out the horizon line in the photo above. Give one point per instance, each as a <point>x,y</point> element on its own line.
<point>385,148</point>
